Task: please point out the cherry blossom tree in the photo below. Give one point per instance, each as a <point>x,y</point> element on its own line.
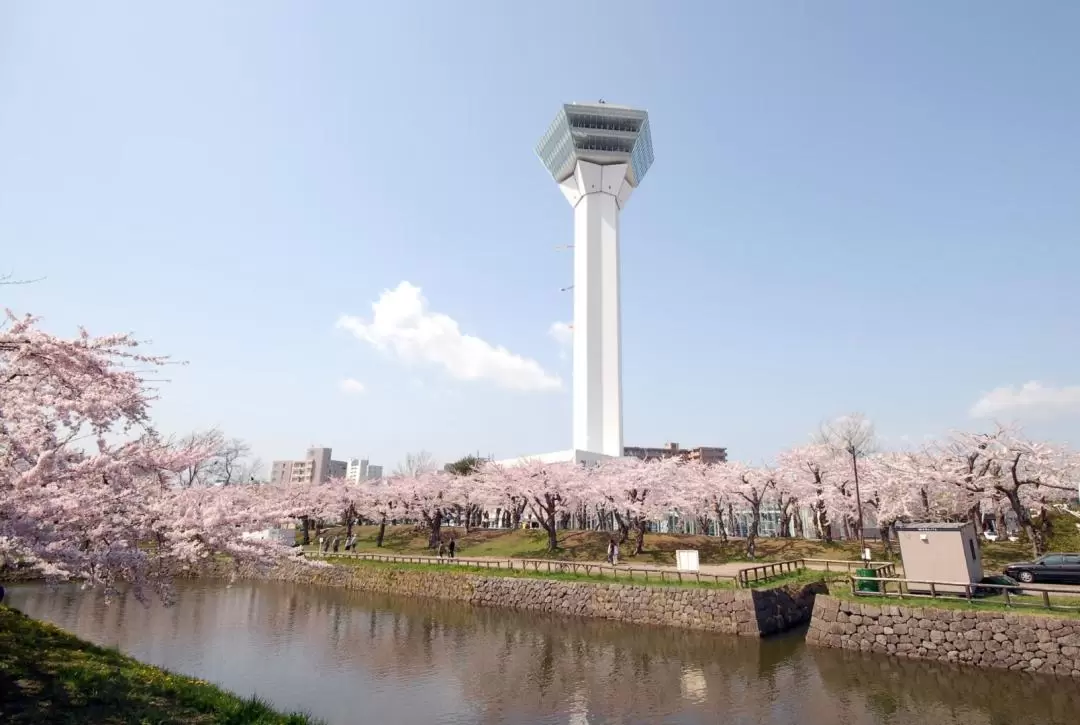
<point>377,501</point>
<point>85,480</point>
<point>810,471</point>
<point>425,498</point>
<point>635,491</point>
<point>702,495</point>
<point>786,489</point>
<point>551,490</point>
<point>503,493</point>
<point>851,436</point>
<point>753,486</point>
<point>1029,475</point>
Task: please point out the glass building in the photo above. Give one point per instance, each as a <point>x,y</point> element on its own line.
<point>602,133</point>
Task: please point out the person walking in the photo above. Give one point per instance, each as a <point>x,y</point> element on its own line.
<point>610,550</point>
<point>337,543</point>
<point>326,545</point>
<point>442,548</point>
<point>614,552</point>
<point>320,543</point>
<point>453,546</point>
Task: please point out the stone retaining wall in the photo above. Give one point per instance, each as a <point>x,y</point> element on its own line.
<point>745,612</point>
<point>1029,642</point>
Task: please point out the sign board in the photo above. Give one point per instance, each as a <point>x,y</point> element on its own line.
<point>686,559</point>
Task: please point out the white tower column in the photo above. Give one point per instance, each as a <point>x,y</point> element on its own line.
<point>597,193</point>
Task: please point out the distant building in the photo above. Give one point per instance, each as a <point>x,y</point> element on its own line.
<point>317,467</point>
<point>705,454</point>
<point>359,469</point>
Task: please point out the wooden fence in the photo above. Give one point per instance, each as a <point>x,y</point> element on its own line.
<point>1014,596</point>
<point>551,566</point>
<point>763,572</point>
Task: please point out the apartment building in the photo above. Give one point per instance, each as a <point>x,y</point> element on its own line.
<point>359,469</point>
<point>705,454</point>
<point>317,467</point>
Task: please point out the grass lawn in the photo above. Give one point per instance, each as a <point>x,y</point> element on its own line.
<point>659,548</point>
<point>592,545</point>
<point>1025,604</point>
<point>623,577</point>
<point>48,676</point>
<point>801,578</point>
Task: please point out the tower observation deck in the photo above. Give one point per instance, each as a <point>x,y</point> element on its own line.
<point>598,153</point>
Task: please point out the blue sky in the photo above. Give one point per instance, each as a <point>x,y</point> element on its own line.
<point>853,207</point>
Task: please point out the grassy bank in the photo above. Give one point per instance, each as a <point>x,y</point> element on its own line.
<point>592,545</point>
<point>1023,604</point>
<point>660,548</point>
<point>48,676</point>
<point>670,578</point>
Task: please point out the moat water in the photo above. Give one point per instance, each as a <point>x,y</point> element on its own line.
<point>351,657</point>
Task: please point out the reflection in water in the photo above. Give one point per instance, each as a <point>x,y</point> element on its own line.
<point>351,657</point>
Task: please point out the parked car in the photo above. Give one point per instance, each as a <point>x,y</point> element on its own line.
<point>998,579</point>
<point>1049,569</point>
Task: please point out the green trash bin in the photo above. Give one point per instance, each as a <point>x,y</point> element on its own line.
<point>863,585</point>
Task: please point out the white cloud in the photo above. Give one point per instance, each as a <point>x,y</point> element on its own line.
<point>402,326</point>
<point>352,387</point>
<point>1032,397</point>
<point>562,332</point>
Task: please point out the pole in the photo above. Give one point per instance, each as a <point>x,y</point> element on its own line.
<point>858,498</point>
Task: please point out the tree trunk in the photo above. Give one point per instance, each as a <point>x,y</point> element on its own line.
<point>434,521</point>
<point>306,523</point>
<point>349,518</point>
<point>883,530</point>
<point>545,511</point>
<point>639,546</point>
<point>975,517</point>
<point>721,529</point>
<point>999,523</point>
<point>821,520</point>
<point>751,535</point>
<point>623,526</point>
<point>1034,533</point>
<point>784,530</point>
<point>381,534</point>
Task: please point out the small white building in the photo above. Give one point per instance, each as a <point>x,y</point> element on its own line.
<point>285,536</point>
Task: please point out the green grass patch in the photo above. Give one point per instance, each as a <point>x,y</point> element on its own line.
<point>670,579</point>
<point>799,579</point>
<point>592,546</point>
<point>660,548</point>
<point>48,676</point>
<point>1022,604</point>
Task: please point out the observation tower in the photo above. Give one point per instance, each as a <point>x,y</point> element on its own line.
<point>598,153</point>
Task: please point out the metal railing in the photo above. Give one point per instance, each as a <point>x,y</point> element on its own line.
<point>1014,596</point>
<point>771,570</point>
<point>550,566</point>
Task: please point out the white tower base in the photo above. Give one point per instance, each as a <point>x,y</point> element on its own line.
<point>597,193</point>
